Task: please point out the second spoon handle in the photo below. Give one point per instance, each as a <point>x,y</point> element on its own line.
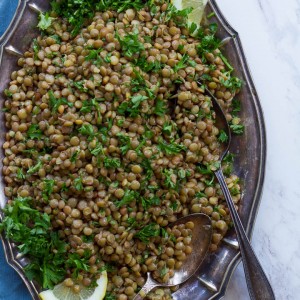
<point>257,281</point>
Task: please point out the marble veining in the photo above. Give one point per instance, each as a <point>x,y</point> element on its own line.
<point>270,33</point>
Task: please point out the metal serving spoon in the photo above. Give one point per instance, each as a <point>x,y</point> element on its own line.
<point>257,281</point>
<point>201,238</point>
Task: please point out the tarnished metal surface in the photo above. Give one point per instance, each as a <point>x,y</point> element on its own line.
<point>212,279</point>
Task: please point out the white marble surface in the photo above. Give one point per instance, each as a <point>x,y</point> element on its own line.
<point>270,33</point>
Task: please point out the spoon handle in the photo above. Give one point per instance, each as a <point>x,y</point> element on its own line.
<point>149,285</point>
<point>257,281</point>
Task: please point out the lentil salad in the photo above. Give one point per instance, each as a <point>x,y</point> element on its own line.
<point>97,138</point>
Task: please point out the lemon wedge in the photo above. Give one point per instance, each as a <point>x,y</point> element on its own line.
<point>198,9</point>
<point>61,292</point>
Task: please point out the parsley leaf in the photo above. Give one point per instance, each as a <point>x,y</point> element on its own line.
<point>171,148</point>
<point>54,103</point>
<point>78,183</point>
<point>48,188</point>
<point>74,155</point>
<point>124,141</point>
<point>237,129</point>
<point>149,231</point>
<point>160,108</point>
<point>35,168</point>
<point>233,83</point>
<point>34,132</point>
<point>20,175</point>
<point>148,202</point>
<point>112,162</point>
<point>45,21</point>
<point>87,130</point>
<point>78,263</point>
<point>223,137</point>
<point>130,43</point>
<point>131,107</point>
<point>128,197</point>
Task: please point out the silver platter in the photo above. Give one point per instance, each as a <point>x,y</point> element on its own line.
<point>250,149</point>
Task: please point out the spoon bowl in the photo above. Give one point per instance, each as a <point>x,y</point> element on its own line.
<point>201,238</point>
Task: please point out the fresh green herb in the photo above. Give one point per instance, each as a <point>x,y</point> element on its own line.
<point>153,66</point>
<point>226,62</point>
<point>54,103</point>
<point>170,178</point>
<point>80,86</point>
<point>223,137</point>
<point>132,107</point>
<point>164,271</point>
<point>20,175</point>
<point>232,83</point>
<point>108,268</point>
<point>149,231</point>
<point>174,205</point>
<point>48,185</point>
<point>236,106</point>
<point>112,162</point>
<point>110,296</point>
<point>74,155</point>
<point>206,77</point>
<point>31,230</point>
<point>97,150</point>
<point>234,191</point>
<point>36,48</point>
<point>87,130</point>
<point>8,93</point>
<point>207,42</point>
<point>183,63</point>
<point>56,37</point>
<point>35,168</point>
<point>120,122</point>
<point>210,181</point>
<point>237,129</point>
<point>34,132</point>
<point>160,108</point>
<point>125,144</point>
<point>212,14</point>
<point>90,105</point>
<point>130,43</point>
<point>78,183</point>
<point>107,58</point>
<point>45,21</point>
<point>183,173</point>
<point>171,148</point>
<point>64,187</point>
<point>78,263</point>
<point>128,197</point>
<point>227,164</point>
<point>213,27</point>
<point>149,202</point>
<point>94,56</point>
<point>201,195</point>
<point>147,169</point>
<point>168,127</point>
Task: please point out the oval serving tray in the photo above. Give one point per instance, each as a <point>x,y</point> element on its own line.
<point>212,278</point>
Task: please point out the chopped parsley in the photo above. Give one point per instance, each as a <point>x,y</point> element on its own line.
<point>45,21</point>
<point>170,148</point>
<point>48,188</point>
<point>34,132</point>
<point>130,43</point>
